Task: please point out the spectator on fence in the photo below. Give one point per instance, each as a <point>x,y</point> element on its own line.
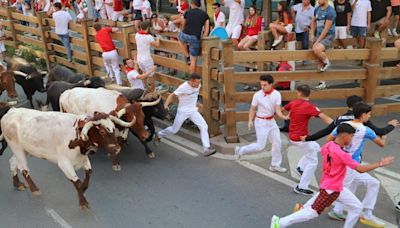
<point>253,27</point>
<point>395,16</point>
<point>380,18</point>
<point>137,10</point>
<point>236,19</point>
<point>181,6</point>
<point>144,41</point>
<point>188,93</point>
<point>219,16</point>
<point>343,19</point>
<point>110,54</point>
<point>303,13</point>
<point>100,10</point>
<point>61,20</point>
<point>146,10</point>
<point>156,23</point>
<point>118,9</point>
<point>2,46</point>
<point>109,6</point>
<point>196,22</point>
<point>360,20</point>
<point>323,26</point>
<point>83,10</point>
<point>169,25</point>
<point>132,73</point>
<point>283,25</point>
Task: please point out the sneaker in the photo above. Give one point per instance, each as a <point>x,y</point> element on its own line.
<point>394,32</point>
<point>238,157</point>
<point>297,207</point>
<point>372,221</point>
<point>156,140</point>
<point>325,66</point>
<point>321,85</point>
<point>277,169</point>
<point>299,171</point>
<point>377,35</point>
<point>275,222</point>
<point>390,32</point>
<point>301,191</point>
<point>246,87</point>
<point>398,206</point>
<point>336,216</point>
<point>276,42</point>
<point>209,151</point>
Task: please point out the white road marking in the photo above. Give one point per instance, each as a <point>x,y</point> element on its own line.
<point>294,155</point>
<point>57,218</point>
<point>178,147</point>
<point>391,186</point>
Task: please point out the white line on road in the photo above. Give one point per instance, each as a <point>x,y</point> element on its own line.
<point>57,218</point>
<point>180,148</point>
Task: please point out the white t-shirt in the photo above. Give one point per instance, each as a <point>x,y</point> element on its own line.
<point>137,4</point>
<point>360,13</point>
<point>266,104</point>
<point>98,4</point>
<point>134,81</point>
<point>187,97</point>
<point>221,18</point>
<point>47,6</point>
<point>236,10</point>
<point>143,43</point>
<point>61,19</point>
<point>1,36</point>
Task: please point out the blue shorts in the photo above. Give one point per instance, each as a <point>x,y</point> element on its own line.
<point>192,41</point>
<point>327,42</point>
<point>357,31</point>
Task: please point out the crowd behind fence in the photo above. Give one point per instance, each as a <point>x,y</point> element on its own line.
<point>219,66</point>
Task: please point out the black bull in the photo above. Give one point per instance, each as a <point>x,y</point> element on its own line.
<point>157,111</point>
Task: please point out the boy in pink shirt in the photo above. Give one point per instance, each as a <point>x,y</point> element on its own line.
<point>334,164</point>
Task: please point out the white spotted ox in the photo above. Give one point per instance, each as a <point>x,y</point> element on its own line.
<point>85,101</point>
<point>61,138</point>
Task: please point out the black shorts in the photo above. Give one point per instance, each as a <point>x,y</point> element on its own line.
<point>395,10</point>
<point>138,15</point>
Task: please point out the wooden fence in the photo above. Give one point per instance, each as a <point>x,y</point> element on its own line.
<point>218,61</point>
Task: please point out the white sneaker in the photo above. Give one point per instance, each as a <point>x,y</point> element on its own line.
<point>321,85</point>
<point>372,221</point>
<point>394,32</point>
<point>276,42</point>
<point>377,35</point>
<point>275,222</point>
<point>325,67</point>
<point>390,32</point>
<point>277,169</point>
<point>237,156</point>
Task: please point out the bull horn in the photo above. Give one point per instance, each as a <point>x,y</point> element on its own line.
<point>20,73</point>
<point>153,103</point>
<point>43,72</point>
<point>85,130</point>
<point>123,123</point>
<point>121,112</point>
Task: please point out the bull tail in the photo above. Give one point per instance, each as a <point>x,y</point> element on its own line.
<point>3,144</point>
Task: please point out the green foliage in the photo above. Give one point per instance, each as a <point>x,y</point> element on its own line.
<point>10,51</point>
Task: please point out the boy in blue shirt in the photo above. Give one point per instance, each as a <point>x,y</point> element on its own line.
<point>362,113</point>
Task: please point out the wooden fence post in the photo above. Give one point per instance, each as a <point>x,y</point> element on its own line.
<point>229,92</point>
<point>43,28</point>
<point>209,84</point>
<point>87,39</point>
<point>373,68</point>
<point>11,10</point>
<point>126,30</point>
<point>261,47</point>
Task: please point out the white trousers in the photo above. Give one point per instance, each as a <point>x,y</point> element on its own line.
<point>266,130</point>
<point>109,11</point>
<point>309,162</point>
<point>234,31</point>
<point>146,66</point>
<point>196,118</point>
<point>111,63</point>
<point>346,197</point>
<point>354,179</point>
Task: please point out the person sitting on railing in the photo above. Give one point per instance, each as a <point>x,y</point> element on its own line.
<point>2,46</point>
<point>118,11</point>
<point>146,10</point>
<point>137,10</point>
<point>303,13</point>
<point>83,10</point>
<point>156,23</point>
<point>61,19</point>
<point>380,18</point>
<point>169,25</point>
<point>236,19</point>
<point>144,40</point>
<point>323,26</point>
<point>283,25</point>
<point>196,23</point>
<point>110,54</point>
<point>219,16</point>
<point>132,73</point>
<point>396,17</point>
<point>252,25</point>
<point>182,6</point>
<point>100,10</point>
<point>108,4</point>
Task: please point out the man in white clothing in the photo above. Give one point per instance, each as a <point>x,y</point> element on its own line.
<point>236,19</point>
<point>219,16</point>
<point>132,73</point>
<point>264,105</point>
<point>188,93</point>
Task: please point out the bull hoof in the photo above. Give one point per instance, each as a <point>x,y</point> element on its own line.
<point>84,206</point>
<point>116,168</point>
<point>37,193</point>
<point>21,187</point>
<point>151,155</point>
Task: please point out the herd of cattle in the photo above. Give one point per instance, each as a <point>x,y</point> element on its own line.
<point>92,117</point>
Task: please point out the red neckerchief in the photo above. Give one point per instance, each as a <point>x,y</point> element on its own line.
<point>268,92</point>
<point>217,14</point>
<point>142,32</point>
<point>128,69</point>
